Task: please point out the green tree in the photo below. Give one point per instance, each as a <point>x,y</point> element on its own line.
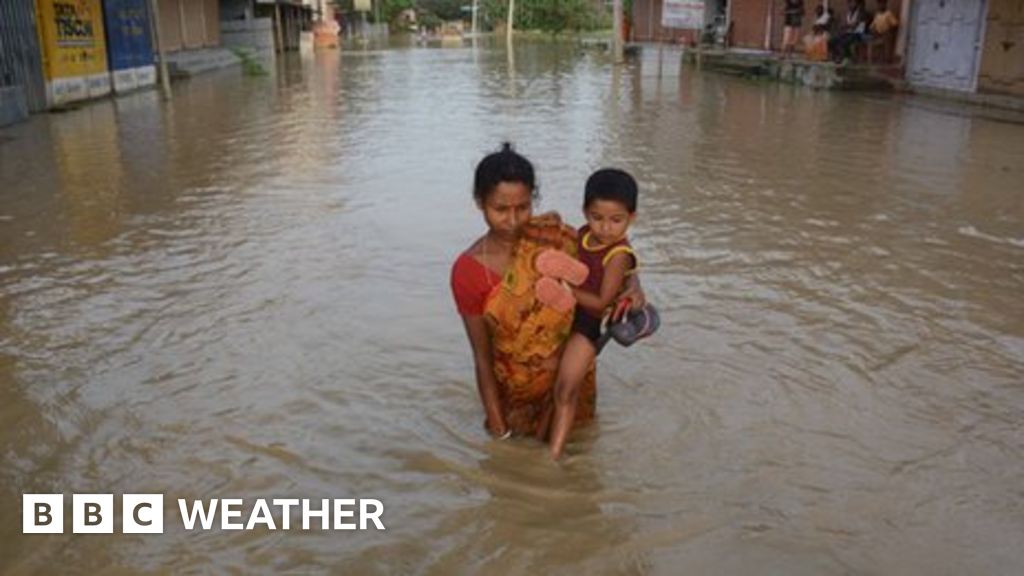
<point>444,9</point>
<point>553,16</point>
<point>389,9</point>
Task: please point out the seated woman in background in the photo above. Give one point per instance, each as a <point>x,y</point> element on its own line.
<point>855,28</point>
<point>817,44</point>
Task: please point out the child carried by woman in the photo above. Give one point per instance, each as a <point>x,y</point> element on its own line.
<point>606,260</point>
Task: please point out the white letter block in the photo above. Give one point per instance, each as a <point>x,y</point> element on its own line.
<point>92,513</point>
<point>142,514</point>
<point>42,514</point>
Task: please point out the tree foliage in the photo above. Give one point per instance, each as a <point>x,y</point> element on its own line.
<point>389,9</point>
<point>549,15</point>
<point>444,9</point>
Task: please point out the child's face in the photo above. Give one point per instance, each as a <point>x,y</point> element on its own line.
<point>609,220</point>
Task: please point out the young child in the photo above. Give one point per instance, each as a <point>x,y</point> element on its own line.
<point>817,40</point>
<point>794,19</point>
<point>609,206</point>
<point>884,20</point>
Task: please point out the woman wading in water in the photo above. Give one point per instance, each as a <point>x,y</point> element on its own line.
<point>516,340</point>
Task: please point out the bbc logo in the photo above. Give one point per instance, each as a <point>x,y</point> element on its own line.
<point>92,513</point>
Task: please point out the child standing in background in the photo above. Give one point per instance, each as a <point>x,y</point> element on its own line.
<point>794,19</point>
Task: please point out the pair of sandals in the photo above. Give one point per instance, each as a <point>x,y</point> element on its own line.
<point>558,269</point>
<point>635,325</point>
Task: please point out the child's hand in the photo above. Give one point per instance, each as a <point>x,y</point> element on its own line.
<point>621,307</point>
<point>632,298</point>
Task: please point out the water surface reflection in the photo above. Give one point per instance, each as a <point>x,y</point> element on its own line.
<point>243,292</point>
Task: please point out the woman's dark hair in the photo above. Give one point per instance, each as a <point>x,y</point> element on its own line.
<point>505,165</point>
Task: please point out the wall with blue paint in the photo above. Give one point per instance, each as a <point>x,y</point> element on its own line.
<point>129,44</point>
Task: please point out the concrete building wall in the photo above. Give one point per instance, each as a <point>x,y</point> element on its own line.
<point>194,31</point>
<point>747,19</point>
<point>236,9</point>
<point>646,25</point>
<point>22,85</point>
<point>73,44</point>
<point>170,24</point>
<point>212,21</point>
<point>13,106</point>
<point>945,44</point>
<point>1002,60</point>
<point>256,35</point>
<point>189,24</point>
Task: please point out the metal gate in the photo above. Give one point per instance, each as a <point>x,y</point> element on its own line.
<point>945,40</point>
<point>21,64</point>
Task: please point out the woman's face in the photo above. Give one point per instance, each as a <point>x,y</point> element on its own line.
<point>507,208</point>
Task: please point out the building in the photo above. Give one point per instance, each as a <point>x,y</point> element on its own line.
<point>73,46</point>
<point>22,85</point>
<point>967,46</point>
<point>647,21</point>
<point>290,17</point>
<point>962,45</point>
<point>241,29</point>
<point>130,56</point>
<point>189,24</point>
<point>1002,58</point>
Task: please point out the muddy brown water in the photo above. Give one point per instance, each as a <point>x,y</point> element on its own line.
<point>244,293</point>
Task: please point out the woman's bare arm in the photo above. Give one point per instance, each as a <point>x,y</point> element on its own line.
<point>486,383</point>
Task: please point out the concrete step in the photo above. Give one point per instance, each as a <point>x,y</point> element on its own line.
<point>821,75</point>
<point>191,62</point>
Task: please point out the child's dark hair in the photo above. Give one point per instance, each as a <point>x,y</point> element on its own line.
<point>611,184</point>
<point>505,165</point>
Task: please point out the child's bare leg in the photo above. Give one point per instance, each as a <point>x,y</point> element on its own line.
<point>576,360</point>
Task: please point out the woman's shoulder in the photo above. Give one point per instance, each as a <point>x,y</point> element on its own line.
<point>470,282</point>
<point>467,258</point>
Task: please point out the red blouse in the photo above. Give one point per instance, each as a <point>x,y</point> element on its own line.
<point>472,282</point>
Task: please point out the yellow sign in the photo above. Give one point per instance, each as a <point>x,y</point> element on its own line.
<point>72,35</point>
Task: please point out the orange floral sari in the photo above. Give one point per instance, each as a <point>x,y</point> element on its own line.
<point>527,337</point>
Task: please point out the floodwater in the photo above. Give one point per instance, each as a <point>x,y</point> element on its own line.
<point>244,293</point>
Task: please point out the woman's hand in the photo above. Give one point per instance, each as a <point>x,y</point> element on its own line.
<point>498,429</point>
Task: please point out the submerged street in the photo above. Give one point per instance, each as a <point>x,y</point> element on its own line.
<point>243,292</point>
